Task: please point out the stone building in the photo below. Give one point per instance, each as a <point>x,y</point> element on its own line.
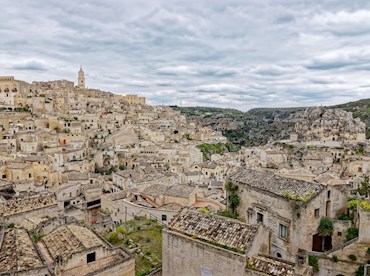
<point>17,209</point>
<point>209,245</point>
<point>75,250</point>
<point>290,208</point>
<point>134,99</point>
<point>123,207</point>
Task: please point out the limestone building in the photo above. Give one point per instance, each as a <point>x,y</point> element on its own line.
<point>75,250</point>
<point>291,209</point>
<point>209,245</point>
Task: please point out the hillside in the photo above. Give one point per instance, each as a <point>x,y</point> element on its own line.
<point>259,125</point>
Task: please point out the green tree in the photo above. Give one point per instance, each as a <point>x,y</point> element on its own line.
<point>234,201</point>
<point>365,187</point>
<point>232,196</point>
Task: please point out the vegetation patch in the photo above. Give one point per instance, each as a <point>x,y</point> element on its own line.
<point>352,233</point>
<point>144,238</point>
<point>325,227</point>
<point>360,271</point>
<point>295,197</point>
<point>353,203</point>
<point>345,217</point>
<point>314,262</point>
<point>219,148</point>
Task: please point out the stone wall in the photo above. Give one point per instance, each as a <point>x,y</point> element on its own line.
<point>122,210</point>
<point>184,256</point>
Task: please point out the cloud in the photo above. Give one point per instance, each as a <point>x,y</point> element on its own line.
<point>340,58</point>
<point>235,54</point>
<point>30,65</point>
<point>344,22</point>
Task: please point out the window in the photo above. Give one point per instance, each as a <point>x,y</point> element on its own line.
<point>328,194</point>
<point>90,257</point>
<point>317,213</point>
<point>164,217</point>
<point>259,218</point>
<point>283,231</point>
<point>339,234</point>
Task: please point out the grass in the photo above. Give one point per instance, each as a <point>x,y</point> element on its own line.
<point>144,235</point>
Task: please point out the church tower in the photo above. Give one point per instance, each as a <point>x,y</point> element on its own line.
<point>81,79</point>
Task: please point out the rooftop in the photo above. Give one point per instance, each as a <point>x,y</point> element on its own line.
<point>69,239</point>
<point>215,229</point>
<point>278,185</point>
<point>271,266</point>
<point>19,205</point>
<point>17,252</point>
<point>179,190</point>
<point>155,190</point>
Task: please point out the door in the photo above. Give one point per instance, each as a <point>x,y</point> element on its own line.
<point>317,243</point>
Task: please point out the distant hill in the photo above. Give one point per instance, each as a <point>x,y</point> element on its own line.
<point>259,125</point>
<point>360,109</point>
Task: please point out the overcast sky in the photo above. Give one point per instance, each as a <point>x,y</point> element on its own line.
<point>232,53</point>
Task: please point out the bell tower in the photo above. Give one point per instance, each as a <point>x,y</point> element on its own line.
<point>81,78</point>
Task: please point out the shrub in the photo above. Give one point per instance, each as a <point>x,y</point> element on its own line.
<point>204,211</point>
<point>227,213</point>
<point>368,250</point>
<point>352,257</point>
<point>314,262</point>
<point>352,233</point>
<point>10,225</point>
<point>121,167</point>
<point>360,271</point>
<point>344,217</point>
<point>326,227</point>
<point>36,238</point>
<point>353,203</point>
<point>121,229</point>
<point>112,237</point>
<point>335,258</point>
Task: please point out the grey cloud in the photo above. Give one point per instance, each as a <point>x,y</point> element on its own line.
<point>31,65</point>
<point>234,53</point>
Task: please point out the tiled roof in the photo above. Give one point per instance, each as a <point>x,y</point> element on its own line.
<point>155,190</point>
<point>19,205</point>
<point>179,190</point>
<point>17,252</point>
<point>278,185</point>
<point>271,266</point>
<point>215,229</point>
<point>69,239</point>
